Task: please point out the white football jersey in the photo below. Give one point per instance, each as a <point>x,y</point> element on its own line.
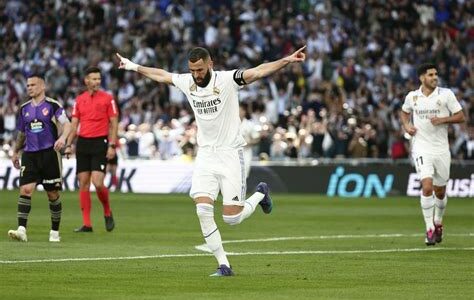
<point>216,108</point>
<point>429,138</point>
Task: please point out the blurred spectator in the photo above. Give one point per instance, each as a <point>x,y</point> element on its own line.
<point>343,102</point>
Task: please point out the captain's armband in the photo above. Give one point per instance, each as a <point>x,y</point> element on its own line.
<point>239,77</point>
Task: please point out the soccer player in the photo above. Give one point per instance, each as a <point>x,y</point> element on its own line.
<point>219,166</point>
<point>96,113</point>
<point>433,109</point>
<point>41,163</point>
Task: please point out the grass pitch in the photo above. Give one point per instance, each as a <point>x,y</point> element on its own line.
<point>310,247</point>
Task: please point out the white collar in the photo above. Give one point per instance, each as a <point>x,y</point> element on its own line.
<point>435,92</point>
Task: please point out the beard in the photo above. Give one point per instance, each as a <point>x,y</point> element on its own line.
<point>205,80</point>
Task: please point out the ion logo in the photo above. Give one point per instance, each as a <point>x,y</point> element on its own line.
<point>355,185</point>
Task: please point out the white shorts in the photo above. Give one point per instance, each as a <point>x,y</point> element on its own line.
<point>220,170</point>
<point>434,166</point>
<point>247,161</point>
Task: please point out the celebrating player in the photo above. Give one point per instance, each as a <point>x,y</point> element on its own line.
<point>433,109</point>
<point>219,166</point>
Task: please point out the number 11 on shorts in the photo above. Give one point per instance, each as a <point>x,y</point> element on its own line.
<point>419,161</point>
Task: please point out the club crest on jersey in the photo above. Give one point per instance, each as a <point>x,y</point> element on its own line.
<point>45,111</point>
<point>216,91</point>
<point>438,102</point>
<point>27,114</point>
<point>414,100</point>
<point>193,87</point>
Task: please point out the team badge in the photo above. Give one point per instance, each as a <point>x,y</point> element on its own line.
<point>438,102</point>
<point>27,114</point>
<point>193,87</point>
<point>45,111</point>
<point>414,100</point>
<point>216,91</point>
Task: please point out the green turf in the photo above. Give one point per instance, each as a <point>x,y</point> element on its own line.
<point>153,225</point>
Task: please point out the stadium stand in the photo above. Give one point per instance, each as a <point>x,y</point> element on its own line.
<point>343,102</point>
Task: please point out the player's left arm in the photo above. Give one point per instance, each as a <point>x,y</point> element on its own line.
<point>266,69</point>
<point>457,117</point>
<point>113,125</point>
<point>66,130</point>
<point>453,106</point>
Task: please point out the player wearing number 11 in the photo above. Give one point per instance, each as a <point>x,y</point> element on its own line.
<point>433,109</point>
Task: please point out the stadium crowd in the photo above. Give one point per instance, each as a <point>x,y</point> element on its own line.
<point>343,102</point>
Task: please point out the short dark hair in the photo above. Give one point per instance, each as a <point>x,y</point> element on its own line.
<point>424,67</point>
<point>91,70</point>
<point>198,53</point>
<point>37,75</point>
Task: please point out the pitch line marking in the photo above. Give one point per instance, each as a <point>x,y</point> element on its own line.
<point>204,248</point>
<point>316,252</point>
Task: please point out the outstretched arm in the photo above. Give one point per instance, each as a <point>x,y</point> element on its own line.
<point>266,69</point>
<point>155,74</point>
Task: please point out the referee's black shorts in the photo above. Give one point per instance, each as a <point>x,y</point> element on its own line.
<point>91,154</point>
<point>43,167</point>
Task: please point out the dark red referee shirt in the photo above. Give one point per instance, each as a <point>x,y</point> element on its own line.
<point>94,112</point>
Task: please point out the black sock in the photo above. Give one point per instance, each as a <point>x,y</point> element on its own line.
<point>55,208</point>
<point>24,207</point>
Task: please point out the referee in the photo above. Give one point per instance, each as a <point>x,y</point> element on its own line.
<point>95,114</point>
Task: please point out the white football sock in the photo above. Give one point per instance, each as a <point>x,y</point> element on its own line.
<point>249,207</point>
<point>211,233</point>
<point>440,207</point>
<point>427,207</point>
<point>250,204</point>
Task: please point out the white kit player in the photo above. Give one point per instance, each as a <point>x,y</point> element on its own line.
<point>219,166</point>
<point>433,109</point>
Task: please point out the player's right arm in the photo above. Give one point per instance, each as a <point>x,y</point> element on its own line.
<point>155,74</point>
<point>406,123</point>
<point>405,117</point>
<point>19,144</point>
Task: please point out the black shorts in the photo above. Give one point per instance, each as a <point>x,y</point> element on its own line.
<point>43,167</point>
<point>91,154</point>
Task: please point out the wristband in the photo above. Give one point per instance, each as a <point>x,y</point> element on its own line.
<point>129,65</point>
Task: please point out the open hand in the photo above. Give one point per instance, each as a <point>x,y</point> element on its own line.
<point>110,153</point>
<point>16,160</point>
<point>68,152</point>
<point>410,129</point>
<point>59,144</point>
<point>436,121</point>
